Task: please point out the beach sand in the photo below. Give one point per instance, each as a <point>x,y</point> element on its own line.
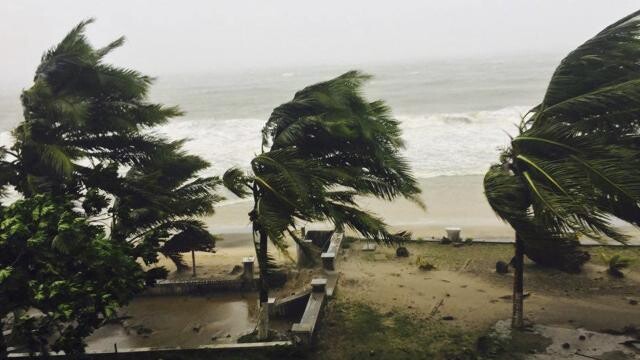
<point>450,200</point>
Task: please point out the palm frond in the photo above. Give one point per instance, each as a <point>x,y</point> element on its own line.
<point>575,162</point>
<point>237,182</point>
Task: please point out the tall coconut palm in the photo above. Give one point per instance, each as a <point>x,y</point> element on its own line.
<point>576,160</point>
<point>320,150</point>
<point>87,123</point>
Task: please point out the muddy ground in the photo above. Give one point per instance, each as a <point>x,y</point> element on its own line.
<point>463,298</point>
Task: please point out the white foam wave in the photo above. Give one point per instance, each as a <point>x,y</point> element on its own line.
<point>458,143</point>
<point>437,144</point>
<point>5,138</point>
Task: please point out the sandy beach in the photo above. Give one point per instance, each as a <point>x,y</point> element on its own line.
<point>451,201</point>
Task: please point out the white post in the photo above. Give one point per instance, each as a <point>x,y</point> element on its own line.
<point>247,268</point>
<point>263,321</point>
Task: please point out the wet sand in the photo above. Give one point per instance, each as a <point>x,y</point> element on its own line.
<point>451,201</point>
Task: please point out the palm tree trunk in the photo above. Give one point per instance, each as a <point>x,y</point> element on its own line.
<point>517,321</point>
<point>263,319</point>
<point>193,262</point>
<point>3,343</point>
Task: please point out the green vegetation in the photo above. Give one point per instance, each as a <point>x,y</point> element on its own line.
<point>424,264</point>
<point>358,331</point>
<point>616,263</point>
<point>56,262</point>
<point>348,241</point>
<point>319,151</point>
<point>85,137</point>
<point>576,159</point>
<point>86,142</point>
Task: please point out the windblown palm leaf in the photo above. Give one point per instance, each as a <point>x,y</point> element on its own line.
<point>575,163</point>
<point>162,198</point>
<point>319,151</point>
<point>576,160</point>
<point>80,109</point>
<point>86,123</point>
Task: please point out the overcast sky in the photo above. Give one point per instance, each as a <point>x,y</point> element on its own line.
<point>218,35</point>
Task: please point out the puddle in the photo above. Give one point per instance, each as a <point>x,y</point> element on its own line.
<point>584,344</point>
<point>179,321</point>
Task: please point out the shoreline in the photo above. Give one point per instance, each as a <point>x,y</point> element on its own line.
<point>451,201</point>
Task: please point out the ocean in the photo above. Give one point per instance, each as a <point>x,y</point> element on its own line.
<point>455,114</point>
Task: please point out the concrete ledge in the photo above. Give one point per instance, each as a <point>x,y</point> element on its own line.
<point>305,329</point>
<point>291,305</point>
<point>328,260</point>
<point>318,284</point>
<point>154,353</point>
<point>183,287</point>
<point>332,282</point>
<point>244,281</point>
<point>329,257</point>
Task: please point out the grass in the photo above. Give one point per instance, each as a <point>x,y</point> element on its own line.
<point>358,331</point>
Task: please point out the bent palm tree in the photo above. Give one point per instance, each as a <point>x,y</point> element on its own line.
<point>86,123</point>
<point>319,151</point>
<point>159,207</point>
<point>576,160</point>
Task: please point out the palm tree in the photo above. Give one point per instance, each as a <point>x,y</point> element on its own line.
<point>86,123</point>
<point>319,151</point>
<point>82,111</point>
<point>576,160</point>
<point>159,208</point>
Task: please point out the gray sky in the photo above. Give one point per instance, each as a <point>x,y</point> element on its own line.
<point>219,35</point>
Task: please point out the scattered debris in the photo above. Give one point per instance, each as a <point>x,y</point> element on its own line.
<point>142,330</point>
<point>634,344</point>
<point>502,267</point>
<point>424,264</point>
<point>509,297</point>
<point>435,309</point>
<point>466,264</point>
<point>402,252</point>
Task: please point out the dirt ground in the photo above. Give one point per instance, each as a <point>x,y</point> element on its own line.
<point>465,286</point>
<point>385,307</point>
